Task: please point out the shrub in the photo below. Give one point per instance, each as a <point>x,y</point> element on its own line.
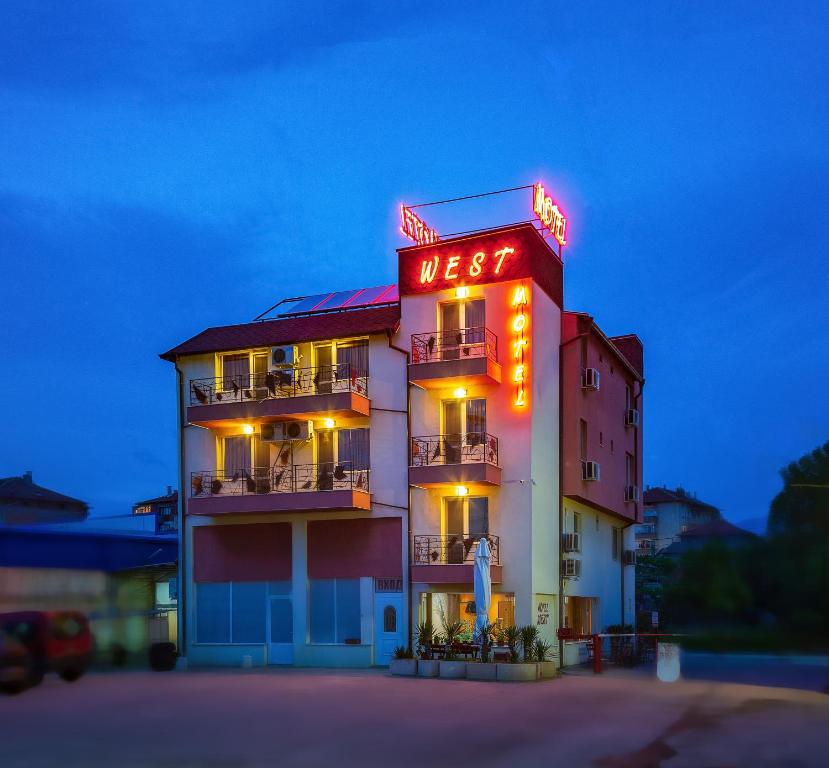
<point>402,652</point>
<point>529,635</point>
<point>425,638</point>
<point>512,635</point>
<point>542,650</point>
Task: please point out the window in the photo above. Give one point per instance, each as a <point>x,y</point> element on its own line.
<point>236,371</point>
<point>583,353</point>
<point>389,619</point>
<point>335,610</point>
<point>353,447</point>
<point>615,542</point>
<point>353,357</point>
<point>248,612</point>
<point>461,324</point>
<point>583,439</point>
<point>232,612</point>
<point>463,428</point>
<point>166,521</point>
<point>629,473</point>
<point>576,522</point>
<point>237,456</point>
<point>601,438</point>
<point>213,613</point>
<point>611,446</point>
<point>628,398</point>
<point>466,516</point>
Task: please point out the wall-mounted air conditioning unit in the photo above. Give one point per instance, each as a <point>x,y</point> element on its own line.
<point>631,417</point>
<point>590,379</point>
<point>629,557</point>
<point>283,431</point>
<point>284,357</point>
<point>571,542</point>
<point>570,568</point>
<point>590,470</point>
<point>632,493</point>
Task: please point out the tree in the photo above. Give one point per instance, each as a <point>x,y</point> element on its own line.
<point>802,507</point>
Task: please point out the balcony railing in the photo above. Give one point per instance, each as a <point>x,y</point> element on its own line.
<point>468,448</point>
<point>454,345</point>
<point>453,549</point>
<point>290,382</point>
<point>294,478</point>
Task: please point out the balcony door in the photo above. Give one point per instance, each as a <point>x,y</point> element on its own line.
<point>461,328</point>
<point>464,430</point>
<point>465,520</point>
<point>324,375</point>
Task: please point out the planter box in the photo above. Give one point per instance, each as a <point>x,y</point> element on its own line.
<point>546,670</point>
<point>428,667</point>
<point>480,671</point>
<point>453,670</point>
<point>403,667</point>
<point>515,673</point>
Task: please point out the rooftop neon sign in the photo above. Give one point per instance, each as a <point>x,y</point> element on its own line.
<point>415,228</point>
<point>549,213</point>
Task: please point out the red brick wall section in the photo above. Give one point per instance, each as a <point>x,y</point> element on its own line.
<point>348,549</point>
<point>254,552</point>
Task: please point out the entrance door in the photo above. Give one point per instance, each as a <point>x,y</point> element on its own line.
<point>280,624</point>
<point>388,624</point>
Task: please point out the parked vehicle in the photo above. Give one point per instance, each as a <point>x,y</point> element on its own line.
<point>15,665</point>
<point>56,641</point>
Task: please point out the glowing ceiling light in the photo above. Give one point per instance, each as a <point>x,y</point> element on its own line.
<point>329,423</point>
<point>461,490</point>
<point>462,292</point>
<point>247,429</point>
<point>460,392</point>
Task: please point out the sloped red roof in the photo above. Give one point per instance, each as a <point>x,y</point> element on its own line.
<point>290,330</point>
<point>667,496</point>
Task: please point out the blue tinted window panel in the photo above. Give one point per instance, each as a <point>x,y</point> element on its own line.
<point>249,608</point>
<point>322,610</point>
<point>348,610</point>
<point>282,621</point>
<point>213,612</point>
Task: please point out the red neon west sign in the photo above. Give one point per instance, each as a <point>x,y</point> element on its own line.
<point>415,228</point>
<point>549,213</point>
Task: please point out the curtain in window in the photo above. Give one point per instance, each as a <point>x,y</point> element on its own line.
<point>475,421</point>
<point>478,516</point>
<point>353,446</point>
<point>474,321</point>
<point>353,357</point>
<point>236,371</point>
<point>237,454</point>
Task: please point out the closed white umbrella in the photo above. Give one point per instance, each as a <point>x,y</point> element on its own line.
<point>483,586</point>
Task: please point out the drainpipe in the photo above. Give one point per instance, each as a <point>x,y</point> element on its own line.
<point>182,533</point>
<point>636,458</point>
<point>389,334</point>
<point>560,487</point>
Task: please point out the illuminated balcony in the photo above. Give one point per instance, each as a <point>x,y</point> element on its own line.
<point>334,391</point>
<point>466,356</point>
<point>294,488</point>
<point>450,558</point>
<point>455,459</point>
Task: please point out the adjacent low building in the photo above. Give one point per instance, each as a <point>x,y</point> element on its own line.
<point>343,460</point>
<point>669,513</point>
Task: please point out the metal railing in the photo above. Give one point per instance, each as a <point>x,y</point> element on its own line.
<point>290,382</point>
<point>293,478</point>
<point>466,448</point>
<point>453,549</point>
<point>455,344</point>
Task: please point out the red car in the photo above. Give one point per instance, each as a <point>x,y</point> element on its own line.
<point>57,641</point>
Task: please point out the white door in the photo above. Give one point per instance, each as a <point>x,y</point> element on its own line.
<point>280,629</point>
<point>388,625</point>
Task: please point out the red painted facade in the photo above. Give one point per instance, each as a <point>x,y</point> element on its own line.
<point>495,256</point>
<point>349,549</point>
<point>609,441</point>
<point>255,552</point>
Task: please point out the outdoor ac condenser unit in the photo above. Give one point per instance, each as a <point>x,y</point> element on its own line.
<point>284,357</point>
<point>571,542</point>
<point>283,431</point>
<point>590,470</point>
<point>631,417</point>
<point>590,378</point>
<point>571,568</point>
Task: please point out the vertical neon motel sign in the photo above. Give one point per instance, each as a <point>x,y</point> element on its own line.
<point>520,344</point>
<point>549,213</point>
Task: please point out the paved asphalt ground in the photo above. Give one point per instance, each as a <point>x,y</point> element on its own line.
<point>239,719</point>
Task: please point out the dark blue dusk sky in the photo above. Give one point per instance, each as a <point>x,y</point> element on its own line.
<point>167,169</point>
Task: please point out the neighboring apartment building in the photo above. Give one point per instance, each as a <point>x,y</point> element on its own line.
<point>667,514</point>
<point>343,461</point>
<point>159,514</point>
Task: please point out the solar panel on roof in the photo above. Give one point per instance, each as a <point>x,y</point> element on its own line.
<point>361,297</point>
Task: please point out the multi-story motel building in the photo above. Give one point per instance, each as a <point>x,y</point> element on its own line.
<point>341,461</point>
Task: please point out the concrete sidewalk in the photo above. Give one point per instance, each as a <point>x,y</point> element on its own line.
<point>237,719</point>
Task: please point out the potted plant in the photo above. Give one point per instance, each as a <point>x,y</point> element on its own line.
<point>450,667</point>
<point>543,653</point>
<point>404,663</point>
<point>426,666</point>
<point>486,669</point>
<point>529,635</point>
<point>515,671</point>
